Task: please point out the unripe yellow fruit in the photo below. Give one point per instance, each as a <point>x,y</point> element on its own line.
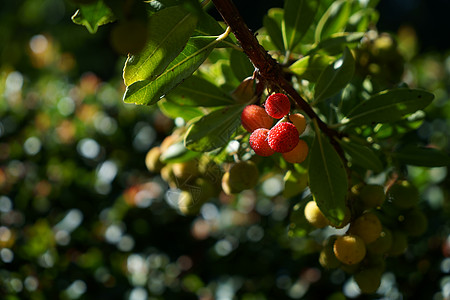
<point>368,280</point>
<point>187,170</point>
<point>382,244</point>
<point>152,161</point>
<point>372,195</point>
<point>415,222</point>
<point>399,243</point>
<point>367,226</point>
<point>242,176</point>
<point>298,154</point>
<point>168,176</point>
<point>188,204</point>
<point>349,249</point>
<point>314,216</point>
<point>327,259</point>
<point>403,194</point>
<point>299,122</point>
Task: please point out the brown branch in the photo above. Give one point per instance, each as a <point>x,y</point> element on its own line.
<point>268,68</point>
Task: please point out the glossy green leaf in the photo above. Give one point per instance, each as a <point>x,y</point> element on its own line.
<point>334,19</point>
<point>197,91</point>
<point>362,156</point>
<point>388,106</point>
<point>208,26</point>
<point>335,77</point>
<point>169,31</point>
<point>149,92</point>
<point>337,42</point>
<point>298,17</point>
<point>94,15</point>
<point>362,19</point>
<point>178,153</point>
<point>240,65</point>
<point>327,179</point>
<point>311,66</point>
<point>421,156</point>
<point>174,110</point>
<point>272,24</point>
<point>214,130</point>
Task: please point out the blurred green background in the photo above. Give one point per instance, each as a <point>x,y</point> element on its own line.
<point>82,218</point>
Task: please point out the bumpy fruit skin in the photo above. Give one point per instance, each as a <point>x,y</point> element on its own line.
<point>415,222</point>
<point>254,117</point>
<point>298,154</point>
<point>367,226</point>
<point>283,137</point>
<point>382,244</point>
<point>314,216</point>
<point>299,122</point>
<point>242,176</point>
<point>368,280</point>
<point>403,194</point>
<point>277,105</point>
<point>349,249</point>
<point>152,161</point>
<point>259,143</point>
<point>372,195</point>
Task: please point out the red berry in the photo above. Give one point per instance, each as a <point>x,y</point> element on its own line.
<point>278,105</point>
<point>283,137</point>
<point>259,143</point>
<point>254,117</point>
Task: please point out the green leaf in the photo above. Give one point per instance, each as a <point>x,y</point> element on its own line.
<point>298,17</point>
<point>335,77</point>
<point>421,156</point>
<point>213,130</point>
<point>327,179</point>
<point>94,15</point>
<point>178,153</point>
<point>197,91</point>
<point>362,156</point>
<point>334,19</point>
<point>362,19</point>
<point>174,110</point>
<point>169,31</point>
<point>272,24</point>
<point>336,43</point>
<point>149,92</point>
<point>311,66</point>
<point>240,65</point>
<point>208,26</point>
<point>388,106</point>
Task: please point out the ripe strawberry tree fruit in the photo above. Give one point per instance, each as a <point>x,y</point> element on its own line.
<point>277,105</point>
<point>225,86</point>
<point>259,142</point>
<point>254,117</point>
<point>283,137</point>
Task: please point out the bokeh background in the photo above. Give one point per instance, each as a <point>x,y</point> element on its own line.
<point>82,218</point>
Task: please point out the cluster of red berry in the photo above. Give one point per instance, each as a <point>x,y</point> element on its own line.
<point>265,140</point>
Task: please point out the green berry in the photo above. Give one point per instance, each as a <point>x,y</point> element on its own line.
<point>403,194</point>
